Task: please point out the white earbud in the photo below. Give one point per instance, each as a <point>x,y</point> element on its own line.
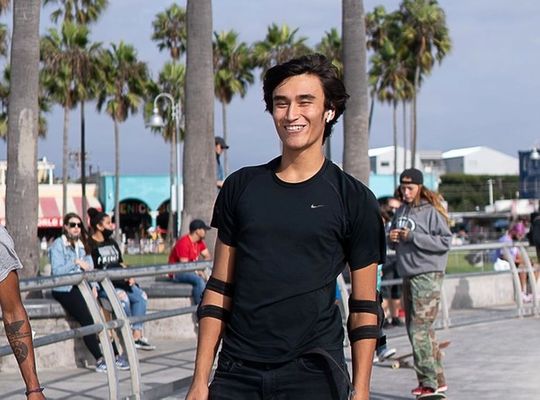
<point>329,117</point>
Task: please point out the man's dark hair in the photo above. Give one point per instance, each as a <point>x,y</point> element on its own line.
<point>335,95</point>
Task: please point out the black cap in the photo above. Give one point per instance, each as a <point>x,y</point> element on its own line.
<point>198,224</point>
<point>219,140</point>
<point>412,175</point>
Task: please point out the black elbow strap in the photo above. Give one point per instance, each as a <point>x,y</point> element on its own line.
<point>364,332</point>
<point>212,311</point>
<point>363,306</point>
<point>224,288</point>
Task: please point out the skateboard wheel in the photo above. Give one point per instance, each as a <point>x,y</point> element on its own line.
<point>395,365</point>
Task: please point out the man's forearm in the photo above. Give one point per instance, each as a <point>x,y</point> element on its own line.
<point>210,331</point>
<point>362,361</point>
<point>19,334</point>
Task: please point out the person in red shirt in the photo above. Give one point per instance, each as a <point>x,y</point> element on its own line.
<point>189,248</point>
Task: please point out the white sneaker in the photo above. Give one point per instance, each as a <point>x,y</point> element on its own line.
<point>386,353</point>
<point>527,298</point>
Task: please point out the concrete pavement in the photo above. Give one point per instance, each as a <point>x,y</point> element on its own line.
<point>491,361</point>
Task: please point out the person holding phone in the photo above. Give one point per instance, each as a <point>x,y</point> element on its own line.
<point>421,237</point>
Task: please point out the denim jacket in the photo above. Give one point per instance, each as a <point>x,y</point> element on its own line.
<point>62,257</point>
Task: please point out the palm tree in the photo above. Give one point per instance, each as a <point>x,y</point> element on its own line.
<point>232,72</point>
<point>388,74</point>
<point>426,36</point>
<point>279,45</point>
<point>43,100</point>
<point>199,175</point>
<point>330,46</point>
<point>21,183</point>
<point>389,80</point>
<point>356,136</point>
<point>77,11</point>
<point>122,91</point>
<point>69,59</point>
<point>170,31</point>
<point>81,12</point>
<point>171,80</point>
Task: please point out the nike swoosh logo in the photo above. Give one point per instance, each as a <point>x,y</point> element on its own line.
<point>318,205</point>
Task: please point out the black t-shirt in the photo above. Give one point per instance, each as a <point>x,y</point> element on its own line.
<point>292,241</point>
<point>107,255</point>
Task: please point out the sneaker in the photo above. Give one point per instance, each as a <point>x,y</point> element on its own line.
<point>386,354</point>
<point>375,359</point>
<point>387,324</point>
<point>422,390</point>
<point>101,366</point>
<point>442,389</point>
<point>397,322</point>
<point>143,344</point>
<point>122,363</point>
<point>527,298</point>
<point>417,391</point>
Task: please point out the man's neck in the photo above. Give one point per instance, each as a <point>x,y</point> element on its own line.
<point>193,237</point>
<point>298,167</point>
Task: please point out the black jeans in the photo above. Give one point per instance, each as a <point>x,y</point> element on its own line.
<point>309,376</point>
<point>75,305</point>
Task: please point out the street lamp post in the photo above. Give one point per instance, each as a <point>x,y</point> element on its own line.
<point>156,121</point>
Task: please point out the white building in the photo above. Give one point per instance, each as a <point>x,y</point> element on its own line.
<point>480,160</point>
<point>381,160</point>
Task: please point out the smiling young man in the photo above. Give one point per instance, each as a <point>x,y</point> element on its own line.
<point>286,230</point>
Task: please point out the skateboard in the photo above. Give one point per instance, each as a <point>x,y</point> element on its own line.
<point>403,361</point>
<point>431,396</point>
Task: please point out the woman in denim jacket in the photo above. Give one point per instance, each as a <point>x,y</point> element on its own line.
<point>68,255</point>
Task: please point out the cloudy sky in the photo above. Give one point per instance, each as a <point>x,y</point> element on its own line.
<point>484,93</point>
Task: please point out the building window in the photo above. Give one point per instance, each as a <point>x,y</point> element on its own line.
<point>385,163</point>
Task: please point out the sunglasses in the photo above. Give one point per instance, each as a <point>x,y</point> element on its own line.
<point>75,225</point>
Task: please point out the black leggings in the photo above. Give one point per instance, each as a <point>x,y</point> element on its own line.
<point>74,304</point>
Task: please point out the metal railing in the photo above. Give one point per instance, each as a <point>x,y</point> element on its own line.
<point>526,267</point>
<point>100,326</point>
<point>123,322</point>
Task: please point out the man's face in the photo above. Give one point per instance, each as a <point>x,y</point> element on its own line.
<point>201,233</point>
<point>219,149</point>
<point>298,112</point>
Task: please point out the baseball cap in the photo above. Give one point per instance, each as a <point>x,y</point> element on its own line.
<point>412,175</point>
<point>219,140</point>
<point>198,224</point>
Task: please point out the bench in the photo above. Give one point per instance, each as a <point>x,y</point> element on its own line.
<point>48,316</point>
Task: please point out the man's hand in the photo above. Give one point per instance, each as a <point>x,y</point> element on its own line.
<point>198,392</point>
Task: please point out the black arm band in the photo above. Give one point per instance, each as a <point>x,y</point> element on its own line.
<point>364,332</point>
<point>363,306</point>
<point>224,288</point>
<point>213,312</point>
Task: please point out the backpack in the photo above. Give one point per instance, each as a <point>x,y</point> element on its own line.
<point>534,233</point>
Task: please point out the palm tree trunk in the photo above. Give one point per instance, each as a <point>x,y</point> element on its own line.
<point>225,137</point>
<point>356,136</point>
<point>83,163</point>
<point>117,181</point>
<point>170,221</point>
<point>21,183</point>
<point>371,108</point>
<point>199,175</point>
<point>65,159</point>
<point>413,116</point>
<point>394,121</point>
<point>404,103</point>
